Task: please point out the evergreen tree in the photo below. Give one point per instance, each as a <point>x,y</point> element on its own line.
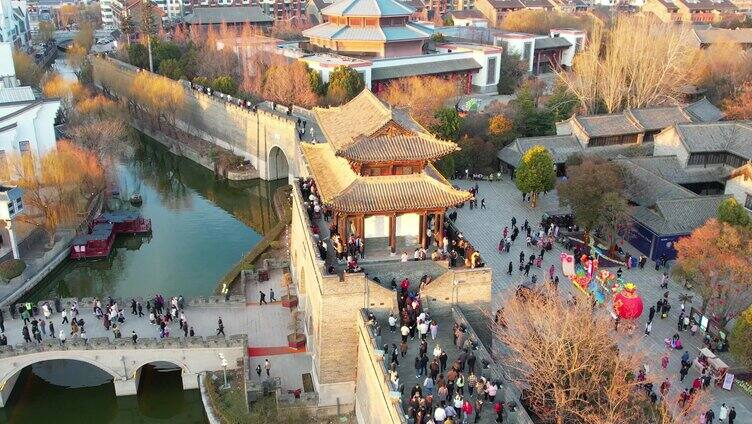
<point>536,172</point>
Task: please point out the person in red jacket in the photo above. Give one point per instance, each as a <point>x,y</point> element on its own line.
<point>499,409</point>
<point>467,409</point>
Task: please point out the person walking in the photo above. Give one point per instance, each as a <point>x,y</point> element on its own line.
<point>220,327</point>
<point>267,367</point>
<point>732,415</point>
<point>723,413</point>
<point>258,370</point>
<point>140,309</point>
<point>683,372</point>
<point>65,316</point>
<point>134,336</point>
<point>52,330</point>
<point>648,328</point>
<point>262,298</point>
<point>61,336</point>
<point>271,295</point>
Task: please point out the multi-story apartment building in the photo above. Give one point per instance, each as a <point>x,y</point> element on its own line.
<point>14,23</point>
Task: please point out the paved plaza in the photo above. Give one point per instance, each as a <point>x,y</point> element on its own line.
<point>483,227</point>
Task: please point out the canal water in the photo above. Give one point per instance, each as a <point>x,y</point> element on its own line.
<point>201,227</point>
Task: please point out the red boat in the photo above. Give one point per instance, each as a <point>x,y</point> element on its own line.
<point>125,222</point>
<point>97,244</point>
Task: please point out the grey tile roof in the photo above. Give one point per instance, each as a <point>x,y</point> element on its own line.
<point>16,94</point>
<point>672,170</point>
<point>552,43</point>
<point>724,35</point>
<point>703,111</point>
<point>646,188</point>
<point>678,216</point>
<point>431,68</point>
<point>734,137</point>
<point>228,14</point>
<point>467,14</point>
<point>607,125</point>
<point>563,146</point>
<point>720,5</point>
<point>658,118</point>
<point>368,8</point>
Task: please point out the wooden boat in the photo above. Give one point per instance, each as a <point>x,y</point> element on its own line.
<point>136,199</point>
<point>97,244</point>
<point>125,222</point>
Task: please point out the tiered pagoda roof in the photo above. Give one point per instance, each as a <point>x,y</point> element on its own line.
<point>345,22</point>
<point>366,130</point>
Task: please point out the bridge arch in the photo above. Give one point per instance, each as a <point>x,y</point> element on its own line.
<point>278,164</point>
<point>9,376</point>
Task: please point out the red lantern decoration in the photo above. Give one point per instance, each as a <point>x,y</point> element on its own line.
<point>627,303</point>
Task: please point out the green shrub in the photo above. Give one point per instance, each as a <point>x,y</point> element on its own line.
<point>11,268</point>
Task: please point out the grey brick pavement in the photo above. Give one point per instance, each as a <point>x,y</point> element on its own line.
<point>483,227</point>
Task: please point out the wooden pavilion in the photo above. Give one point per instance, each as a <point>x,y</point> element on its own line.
<point>375,172</point>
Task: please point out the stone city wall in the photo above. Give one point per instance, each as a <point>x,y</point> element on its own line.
<point>330,305</point>
<point>217,118</point>
<point>508,391</point>
<point>375,401</point>
<point>472,289</point>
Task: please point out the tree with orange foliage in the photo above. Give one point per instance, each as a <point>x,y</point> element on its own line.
<point>68,91</point>
<point>573,367</point>
<point>717,259</point>
<point>422,96</point>
<point>289,84</point>
<point>740,105</point>
<point>55,183</point>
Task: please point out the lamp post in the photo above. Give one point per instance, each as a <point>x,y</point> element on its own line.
<point>223,364</point>
<point>11,204</point>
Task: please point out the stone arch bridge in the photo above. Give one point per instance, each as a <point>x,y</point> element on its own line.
<point>123,359</point>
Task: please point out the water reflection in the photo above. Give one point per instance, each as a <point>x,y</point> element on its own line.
<point>77,392</point>
<point>201,227</point>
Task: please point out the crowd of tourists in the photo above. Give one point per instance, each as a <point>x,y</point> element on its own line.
<point>348,251</point>
<point>448,390</point>
<point>161,313</point>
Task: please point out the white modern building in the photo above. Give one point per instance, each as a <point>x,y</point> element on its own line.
<point>543,53</point>
<point>14,23</point>
<point>26,121</point>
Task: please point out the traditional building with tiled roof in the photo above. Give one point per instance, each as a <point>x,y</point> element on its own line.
<point>380,28</point>
<point>375,171</point>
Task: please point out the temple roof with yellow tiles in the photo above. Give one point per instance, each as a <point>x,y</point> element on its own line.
<point>342,189</point>
<point>364,140</point>
<point>366,130</point>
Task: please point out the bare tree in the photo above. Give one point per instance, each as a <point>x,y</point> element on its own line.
<point>619,69</point>
<point>572,365</point>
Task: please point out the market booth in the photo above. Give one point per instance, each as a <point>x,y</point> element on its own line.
<point>715,365</point>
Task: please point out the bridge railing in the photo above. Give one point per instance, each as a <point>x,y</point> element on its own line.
<point>104,343</point>
<point>85,303</point>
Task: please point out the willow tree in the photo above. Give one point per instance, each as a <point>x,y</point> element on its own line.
<point>536,172</point>
<point>56,185</point>
<point>160,97</point>
<point>619,69</point>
